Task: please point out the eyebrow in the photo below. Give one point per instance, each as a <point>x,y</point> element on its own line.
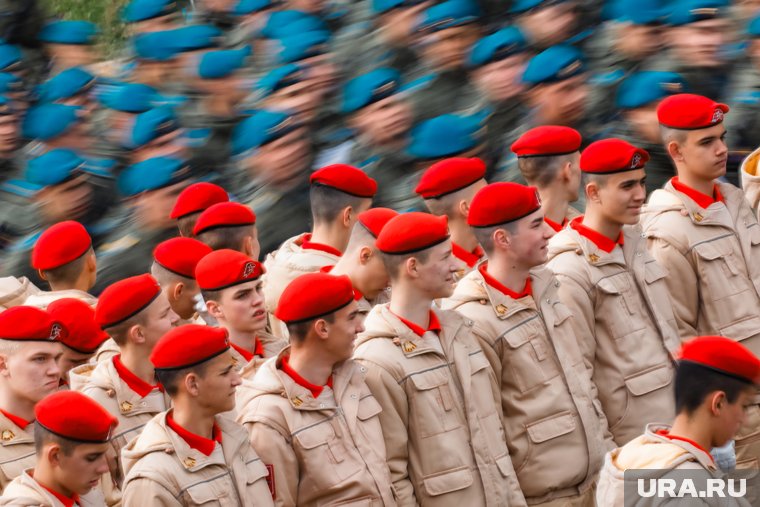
<point>537,221</point>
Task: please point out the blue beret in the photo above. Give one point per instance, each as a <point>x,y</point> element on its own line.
<point>646,87</point>
<point>219,64</point>
<point>69,32</point>
<point>445,136</point>
<point>151,125</point>
<point>10,83</point>
<point>497,46</point>
<point>290,22</point>
<point>554,64</point>
<point>141,10</point>
<point>250,6</point>
<point>684,12</point>
<point>129,97</point>
<point>158,46</point>
<point>297,47</point>
<point>65,84</point>
<point>520,6</point>
<point>10,55</point>
<point>638,12</point>
<point>194,37</point>
<point>261,128</point>
<point>54,167</point>
<point>382,6</point>
<point>369,88</point>
<point>753,28</point>
<point>48,121</point>
<point>279,78</point>
<point>448,14</point>
<point>152,174</point>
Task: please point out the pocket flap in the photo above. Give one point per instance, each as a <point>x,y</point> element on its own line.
<point>743,329</point>
<point>754,233</point>
<point>653,272</point>
<point>648,381</point>
<point>255,470</point>
<point>429,379</point>
<point>505,465</point>
<point>608,286</point>
<point>561,313</point>
<point>314,436</point>
<point>203,493</point>
<point>368,408</point>
<point>551,427</point>
<point>448,481</point>
<point>709,251</point>
<point>478,361</point>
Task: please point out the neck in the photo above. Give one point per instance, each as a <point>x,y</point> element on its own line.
<point>313,365</point>
<point>701,185</point>
<point>243,339</point>
<point>193,418</point>
<point>330,234</point>
<point>43,474</point>
<point>21,407</point>
<point>410,303</point>
<point>693,429</point>
<point>138,362</point>
<point>507,272</point>
<point>79,284</point>
<point>348,265</point>
<point>600,224</point>
<point>462,235</point>
<point>554,203</point>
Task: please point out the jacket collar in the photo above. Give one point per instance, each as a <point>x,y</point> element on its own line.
<point>12,434</point>
<point>717,213</point>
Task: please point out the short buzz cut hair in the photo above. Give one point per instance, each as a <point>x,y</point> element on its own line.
<point>298,331</point>
<point>164,276</point>
<point>226,237</point>
<point>170,379</point>
<point>119,331</point>
<point>393,262</point>
<point>327,202</point>
<point>484,235</point>
<point>695,382</point>
<point>669,134</point>
<point>68,273</point>
<point>186,223</point>
<point>541,171</point>
<point>43,436</point>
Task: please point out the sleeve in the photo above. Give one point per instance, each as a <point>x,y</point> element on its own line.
<point>143,491</point>
<point>494,354</point>
<point>280,459</point>
<point>394,420</point>
<point>682,284</point>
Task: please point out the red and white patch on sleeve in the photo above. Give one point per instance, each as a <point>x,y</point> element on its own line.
<point>270,481</point>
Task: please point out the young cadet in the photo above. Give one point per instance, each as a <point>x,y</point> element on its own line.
<point>84,335</point>
<point>174,262</point>
<point>616,292</point>
<point>441,415</point>
<point>63,256</point>
<point>546,399</point>
<point>71,441</point>
<point>191,455</point>
<point>705,233</point>
<point>448,187</point>
<point>312,400</point>
<point>230,283</point>
<point>337,195</point>
<point>135,314</point>
<point>29,355</point>
<point>362,261</point>
<point>192,201</point>
<point>716,380</point>
<point>548,159</point>
<point>229,225</point>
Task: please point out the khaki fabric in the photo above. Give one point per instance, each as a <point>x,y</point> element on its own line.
<point>14,291</point>
<point>44,298</point>
<point>272,346</point>
<point>750,179</point>
<point>24,491</point>
<point>16,450</point>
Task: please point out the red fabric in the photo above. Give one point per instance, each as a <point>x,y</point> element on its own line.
<point>198,197</point>
<point>554,225</point>
<point>65,500</point>
<point>258,350</point>
<point>345,178</point>
<point>664,433</point>
<point>30,323</point>
<point>307,244</point>
<point>612,156</point>
<point>60,244</point>
<point>547,140</point>
<point>450,175</point>
<point>224,268</point>
<point>722,354</point>
<point>503,202</point>
<point>181,255</point>
<point>412,232</point>
<point>689,111</point>
<point>434,325</point>
<point>197,442</point>
<point>357,295</point>
<point>18,421</point>
<point>298,379</point>
<point>75,416</point>
<point>469,258</point>
<point>134,382</point>
<point>601,241</point>
<point>493,282</point>
<point>224,214</point>
<point>189,345</point>
<point>314,295</point>
<point>125,299</point>
<point>701,199</point>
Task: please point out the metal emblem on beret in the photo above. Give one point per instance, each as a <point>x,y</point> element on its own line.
<point>717,115</point>
<point>408,346</point>
<point>55,331</point>
<point>569,69</point>
<point>593,257</point>
<point>7,435</point>
<point>635,160</point>
<point>672,87</point>
<point>248,269</point>
<point>189,462</point>
<point>704,11</point>
<point>125,406</point>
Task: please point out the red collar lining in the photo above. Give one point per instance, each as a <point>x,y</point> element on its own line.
<point>433,325</point>
<point>18,421</point>
<point>258,350</point>
<point>600,240</point>
<point>298,379</point>
<point>197,442</point>
<point>469,258</point>
<point>702,200</point>
<point>307,244</point>
<point>664,433</point>
<point>554,225</point>
<point>65,500</point>
<point>134,382</point>
<point>493,282</point>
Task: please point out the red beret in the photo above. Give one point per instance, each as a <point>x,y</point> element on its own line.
<point>189,345</point>
<point>450,175</point>
<point>612,155</point>
<point>125,299</point>
<point>224,214</point>
<point>22,323</point>
<point>723,355</point>
<point>225,268</point>
<point>687,111</point>
<point>374,219</point>
<point>74,416</point>
<point>198,197</point>
<point>548,140</point>
<point>180,255</point>
<point>346,178</point>
<point>500,203</point>
<point>84,335</point>
<point>60,244</point>
<point>412,232</point>
<point>312,296</point>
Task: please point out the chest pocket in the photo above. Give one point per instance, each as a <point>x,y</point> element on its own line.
<point>619,305</point>
<point>15,466</point>
<point>433,407</point>
<point>325,453</point>
<point>719,270</point>
<point>214,491</point>
<point>529,354</point>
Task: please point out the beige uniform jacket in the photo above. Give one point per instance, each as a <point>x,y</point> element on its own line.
<point>106,351</point>
<point>14,291</point>
<point>24,491</point>
<point>713,257</point>
<point>622,318</point>
<point>163,470</point>
<point>16,450</point>
<point>547,401</point>
<point>272,346</point>
<point>283,266</point>
<point>324,451</point>
<point>44,298</point>
<point>441,413</point>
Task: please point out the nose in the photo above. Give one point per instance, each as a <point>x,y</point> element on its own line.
<point>102,465</point>
<point>236,379</point>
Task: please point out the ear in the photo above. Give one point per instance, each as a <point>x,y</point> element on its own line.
<point>674,150</point>
<point>42,274</point>
<point>411,266</point>
<point>592,191</point>
<point>717,402</point>
<point>4,368</point>
<point>214,309</point>
<point>463,207</point>
<point>501,239</point>
<point>92,262</point>
<point>176,291</point>
<point>53,454</point>
<point>135,334</point>
<point>191,384</point>
<point>321,328</point>
<point>566,173</point>
<point>248,246</point>
<point>365,254</point>
<point>346,215</point>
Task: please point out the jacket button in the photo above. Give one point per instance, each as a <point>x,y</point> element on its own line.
<point>353,396</point>
<point>638,254</point>
<point>362,369</point>
<point>321,405</point>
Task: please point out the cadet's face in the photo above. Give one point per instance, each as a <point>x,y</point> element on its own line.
<point>283,159</point>
<point>500,80</point>
<point>32,372</point>
<point>639,41</point>
<point>303,98</point>
<point>159,319</point>
<point>71,55</point>
<point>377,276</point>
<point>562,103</point>
<point>347,323</point>
<point>310,6</point>
<point>81,471</point>
<point>622,196</point>
<point>67,201</point>
<point>153,208</point>
<point>396,25</point>
<point>644,122</point>
<point>242,307</point>
<point>322,73</point>
<point>70,359</point>
<point>732,417</point>
<point>530,240</point>
<point>385,121</point>
<point>705,152</point>
<point>436,276</point>
<point>550,25</point>
<point>170,145</point>
<point>447,49</point>
<point>9,128</point>
<point>217,387</point>
<point>698,44</point>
